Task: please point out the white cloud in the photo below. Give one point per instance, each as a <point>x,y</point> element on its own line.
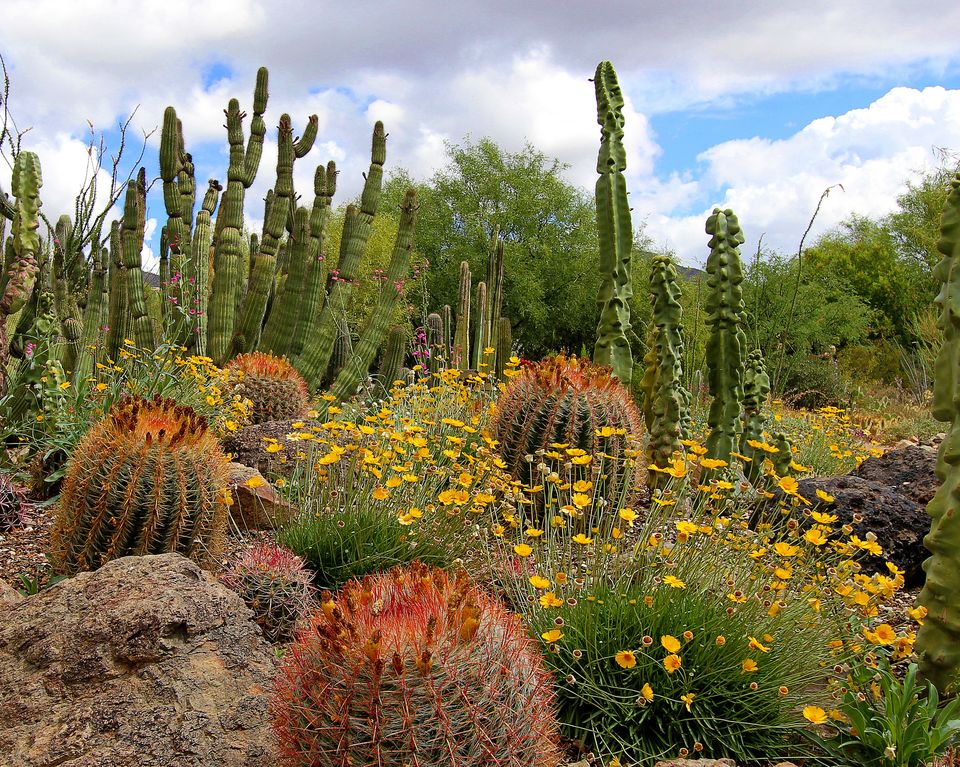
<point>774,186</point>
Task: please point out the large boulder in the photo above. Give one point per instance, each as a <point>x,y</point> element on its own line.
<point>148,661</point>
<point>909,470</point>
<point>898,521</point>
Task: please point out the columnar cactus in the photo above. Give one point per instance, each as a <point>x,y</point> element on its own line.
<point>276,586</point>
<point>150,478</point>
<point>504,345</point>
<point>614,230</point>
<point>727,343</point>
<point>461,339</point>
<point>436,348</point>
<point>274,387</point>
<point>22,256</point>
<point>394,355</point>
<point>481,327</point>
<point>938,640</point>
<point>132,231</point>
<point>417,667</point>
<point>756,388</point>
<point>494,307</point>
<point>228,264</point>
<point>566,400</point>
<point>664,397</point>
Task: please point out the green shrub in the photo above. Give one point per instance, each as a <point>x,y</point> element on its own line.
<point>814,383</point>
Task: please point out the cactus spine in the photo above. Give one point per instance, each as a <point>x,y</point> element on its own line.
<point>756,388</point>
<point>22,254</point>
<point>414,667</point>
<point>461,339</point>
<point>938,640</point>
<point>614,230</point>
<point>727,342</point>
<point>148,479</point>
<point>274,387</point>
<point>228,235</point>
<point>664,400</point>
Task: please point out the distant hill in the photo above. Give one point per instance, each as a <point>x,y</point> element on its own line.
<point>690,272</point>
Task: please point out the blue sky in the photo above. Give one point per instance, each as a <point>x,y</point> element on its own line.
<point>759,109</point>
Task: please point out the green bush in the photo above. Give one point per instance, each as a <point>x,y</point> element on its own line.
<point>814,383</point>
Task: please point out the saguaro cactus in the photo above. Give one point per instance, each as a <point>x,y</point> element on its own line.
<point>665,398</point>
<point>614,230</point>
<point>938,640</point>
<point>17,284</point>
<point>727,342</point>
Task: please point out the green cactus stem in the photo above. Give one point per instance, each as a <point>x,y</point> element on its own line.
<point>132,230</point>
<point>614,230</point>
<point>727,343</point>
<point>504,346</point>
<point>480,328</point>
<point>394,355</point>
<point>461,339</point>
<point>357,226</point>
<point>494,306</point>
<point>23,257</point>
<point>371,337</point>
<point>756,389</point>
<point>447,338</point>
<point>938,640</point>
<point>664,399</point>
<point>95,318</point>
<point>435,346</point>
<point>228,235</point>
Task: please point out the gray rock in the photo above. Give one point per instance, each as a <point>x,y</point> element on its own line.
<point>908,470</point>
<point>148,661</point>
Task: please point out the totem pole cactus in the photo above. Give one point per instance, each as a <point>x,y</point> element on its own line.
<point>664,397</point>
<point>16,286</point>
<point>461,338</point>
<point>614,229</point>
<point>228,268</point>
<point>938,640</point>
<point>727,342</point>
<point>756,388</point>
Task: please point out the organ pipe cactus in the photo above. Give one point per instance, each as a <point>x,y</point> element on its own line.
<point>727,343</point>
<point>437,349</point>
<point>22,260</point>
<point>614,230</point>
<point>756,388</point>
<point>228,235</point>
<point>504,346</point>
<point>132,230</point>
<point>494,303</point>
<point>461,339</point>
<point>664,397</point>
<point>938,640</point>
<point>481,327</point>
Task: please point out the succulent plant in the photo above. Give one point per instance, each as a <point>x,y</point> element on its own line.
<point>150,478</point>
<point>275,585</point>
<point>565,400</point>
<point>277,391</point>
<point>414,667</point>
<point>12,500</point>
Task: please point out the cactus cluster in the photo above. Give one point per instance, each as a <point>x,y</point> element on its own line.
<point>726,346</point>
<point>275,585</point>
<point>614,230</point>
<point>12,503</point>
<point>565,400</point>
<point>150,478</point>
<point>273,386</point>
<point>414,666</point>
<point>756,389</point>
<point>938,640</point>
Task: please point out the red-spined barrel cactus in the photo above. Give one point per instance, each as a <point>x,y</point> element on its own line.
<point>274,583</point>
<point>12,500</point>
<point>565,401</point>
<point>150,478</point>
<point>277,391</point>
<point>414,667</point>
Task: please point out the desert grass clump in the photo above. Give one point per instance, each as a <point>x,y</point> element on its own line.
<point>150,478</point>
<point>414,666</point>
<point>276,586</point>
<point>277,391</point>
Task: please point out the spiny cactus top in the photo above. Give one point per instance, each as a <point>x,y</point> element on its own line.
<point>277,391</point>
<point>149,478</point>
<point>414,667</point>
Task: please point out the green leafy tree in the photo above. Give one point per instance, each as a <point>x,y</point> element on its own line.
<point>549,231</point>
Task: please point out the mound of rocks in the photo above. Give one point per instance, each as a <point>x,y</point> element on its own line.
<point>909,470</point>
<point>148,661</point>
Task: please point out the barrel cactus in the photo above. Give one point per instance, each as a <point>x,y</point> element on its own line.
<point>566,400</point>
<point>275,585</point>
<point>274,387</point>
<point>150,478</point>
<point>415,667</point>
